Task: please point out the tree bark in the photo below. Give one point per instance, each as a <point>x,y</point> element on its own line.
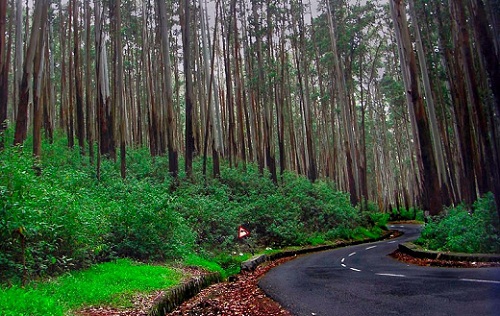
<point>38,65</point>
<point>39,20</point>
<point>4,84</point>
<point>430,185</point>
<point>80,121</point>
<point>170,128</point>
<point>186,42</point>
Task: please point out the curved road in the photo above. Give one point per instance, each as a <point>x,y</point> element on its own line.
<point>363,280</point>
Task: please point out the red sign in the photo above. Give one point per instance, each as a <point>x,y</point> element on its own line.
<point>242,232</point>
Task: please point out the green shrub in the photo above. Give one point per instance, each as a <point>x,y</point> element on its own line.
<point>407,215</point>
<point>459,230</point>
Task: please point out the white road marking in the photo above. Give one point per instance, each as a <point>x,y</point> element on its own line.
<point>391,275</point>
<point>391,242</point>
<point>368,248</point>
<point>344,265</point>
<point>480,281</point>
<point>353,269</point>
<point>343,259</point>
<point>352,254</point>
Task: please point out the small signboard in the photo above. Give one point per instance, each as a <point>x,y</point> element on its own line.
<point>243,232</point>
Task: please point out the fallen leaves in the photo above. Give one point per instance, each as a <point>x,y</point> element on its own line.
<point>142,303</point>
<point>398,255</point>
<point>242,297</point>
<point>239,297</point>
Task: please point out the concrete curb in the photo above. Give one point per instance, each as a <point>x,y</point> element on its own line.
<point>418,252</point>
<point>252,263</point>
<point>175,296</point>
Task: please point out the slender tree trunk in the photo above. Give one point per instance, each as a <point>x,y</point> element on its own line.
<point>349,144</point>
<point>88,93</point>
<point>213,122</point>
<point>80,124</point>
<point>239,87</point>
<point>118,91</point>
<point>186,43</point>
<point>104,113</point>
<point>70,128</point>
<point>4,84</point>
<point>38,63</point>
<point>49,95</point>
<point>165,50</point>
<point>39,19</point>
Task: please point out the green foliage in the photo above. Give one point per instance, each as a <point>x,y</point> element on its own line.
<point>459,230</point>
<point>407,215</point>
<point>59,216</point>
<point>111,283</point>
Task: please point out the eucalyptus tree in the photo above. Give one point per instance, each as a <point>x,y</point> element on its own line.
<point>168,93</point>
<point>19,53</point>
<point>33,56</point>
<point>212,123</point>
<point>105,119</point>
<point>4,67</point>
<point>187,57</point>
<point>430,187</point>
<point>89,104</point>
<point>77,72</point>
<point>39,65</point>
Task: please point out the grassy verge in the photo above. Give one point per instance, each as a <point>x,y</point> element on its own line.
<point>110,284</point>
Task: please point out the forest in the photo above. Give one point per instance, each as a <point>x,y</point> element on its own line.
<point>304,120</point>
<point>394,102</point>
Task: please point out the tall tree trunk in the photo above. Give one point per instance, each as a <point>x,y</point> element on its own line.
<point>88,93</point>
<point>70,128</point>
<point>484,38</point>
<point>429,98</point>
<point>186,43</point>
<point>430,185</point>
<point>104,115</point>
<point>38,67</point>
<point>4,84</point>
<point>173,163</point>
<point>118,91</point>
<point>39,20</point>
<point>213,118</point>
<point>349,142</point>
<point>19,53</point>
<point>239,86</point>
<point>227,34</point>
<point>80,123</point>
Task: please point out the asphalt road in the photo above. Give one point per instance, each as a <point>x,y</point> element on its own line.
<point>363,280</point>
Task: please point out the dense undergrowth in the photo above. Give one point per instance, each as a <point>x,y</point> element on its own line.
<point>59,217</point>
<point>462,230</point>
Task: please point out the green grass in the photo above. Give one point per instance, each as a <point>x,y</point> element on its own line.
<point>225,264</point>
<point>110,284</point>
